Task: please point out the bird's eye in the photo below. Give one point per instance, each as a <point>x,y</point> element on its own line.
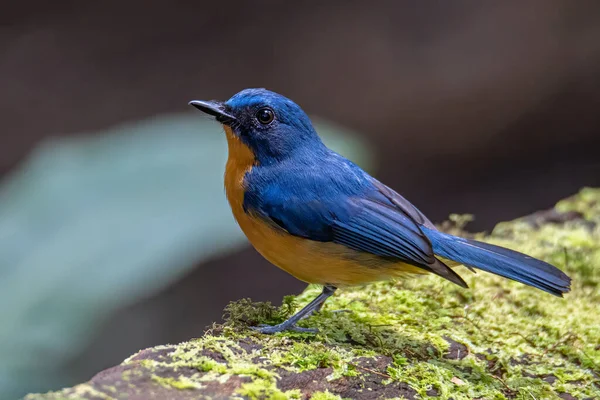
<point>265,116</point>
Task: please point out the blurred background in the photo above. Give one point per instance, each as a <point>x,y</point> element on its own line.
<point>114,231</point>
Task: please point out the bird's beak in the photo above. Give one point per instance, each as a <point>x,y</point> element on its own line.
<point>214,108</point>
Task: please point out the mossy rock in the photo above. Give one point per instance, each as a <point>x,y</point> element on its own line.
<point>420,338</point>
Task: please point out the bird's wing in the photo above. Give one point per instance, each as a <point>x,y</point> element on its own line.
<point>387,231</point>
<point>366,221</point>
<point>413,212</point>
<point>403,205</point>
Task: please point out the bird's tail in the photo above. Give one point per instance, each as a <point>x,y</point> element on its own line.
<point>500,261</point>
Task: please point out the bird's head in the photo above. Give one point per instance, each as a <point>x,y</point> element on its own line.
<point>271,125</point>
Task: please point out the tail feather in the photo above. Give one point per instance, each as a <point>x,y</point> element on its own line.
<point>500,261</point>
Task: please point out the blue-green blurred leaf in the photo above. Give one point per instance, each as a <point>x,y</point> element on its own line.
<point>91,223</point>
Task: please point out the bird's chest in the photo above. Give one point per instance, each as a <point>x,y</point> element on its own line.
<point>279,247</point>
<point>239,165</point>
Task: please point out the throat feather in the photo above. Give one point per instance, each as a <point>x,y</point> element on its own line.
<point>240,161</point>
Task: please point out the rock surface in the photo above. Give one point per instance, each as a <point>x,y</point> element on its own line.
<point>420,338</point>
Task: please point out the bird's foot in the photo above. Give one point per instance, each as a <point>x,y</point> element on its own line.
<point>271,329</point>
<point>290,323</point>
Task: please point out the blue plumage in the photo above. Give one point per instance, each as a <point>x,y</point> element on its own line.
<point>298,186</point>
<point>500,261</point>
<point>306,195</point>
<point>310,191</point>
<point>330,199</point>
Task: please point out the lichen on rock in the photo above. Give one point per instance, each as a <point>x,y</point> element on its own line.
<point>413,339</point>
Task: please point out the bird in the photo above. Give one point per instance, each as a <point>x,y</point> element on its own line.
<point>320,217</point>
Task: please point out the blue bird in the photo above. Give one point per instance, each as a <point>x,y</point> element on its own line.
<point>321,218</point>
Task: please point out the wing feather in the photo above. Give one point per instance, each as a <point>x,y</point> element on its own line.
<point>342,204</point>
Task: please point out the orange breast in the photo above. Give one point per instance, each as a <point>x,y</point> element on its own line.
<point>307,260</point>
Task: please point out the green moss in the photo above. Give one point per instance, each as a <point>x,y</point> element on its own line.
<point>586,202</point>
<point>497,340</point>
<point>326,395</point>
<point>306,356</point>
<point>244,312</point>
<point>83,391</point>
<point>181,383</point>
<point>265,389</point>
<point>205,364</point>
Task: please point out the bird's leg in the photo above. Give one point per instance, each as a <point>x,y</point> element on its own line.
<point>317,309</point>
<point>320,307</point>
<point>290,323</point>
